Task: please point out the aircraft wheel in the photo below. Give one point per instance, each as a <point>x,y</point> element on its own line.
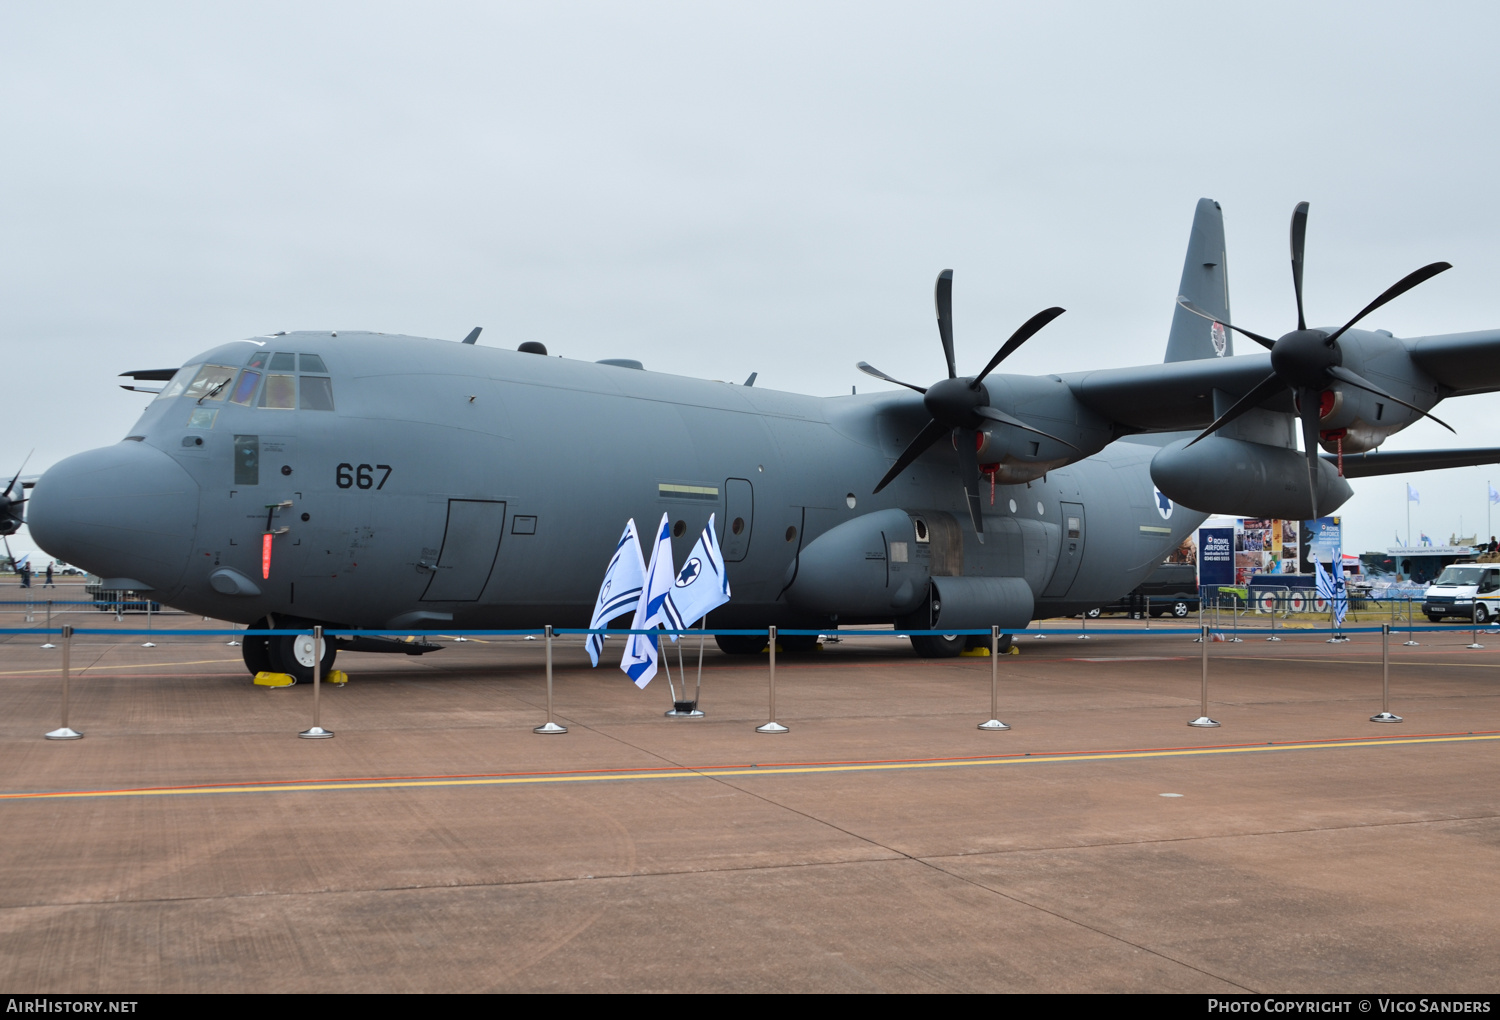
<point>255,653</point>
<point>937,646</point>
<point>795,644</point>
<point>293,654</point>
<point>1481,615</point>
<point>740,644</point>
<point>1180,609</point>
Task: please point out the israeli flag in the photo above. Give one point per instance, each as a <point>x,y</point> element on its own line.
<point>623,580</point>
<point>1412,495</point>
<point>653,608</point>
<point>1494,496</point>
<point>701,585</point>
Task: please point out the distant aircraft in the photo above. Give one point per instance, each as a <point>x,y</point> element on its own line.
<point>370,481</point>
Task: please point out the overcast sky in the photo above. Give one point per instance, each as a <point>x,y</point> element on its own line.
<point>717,189</point>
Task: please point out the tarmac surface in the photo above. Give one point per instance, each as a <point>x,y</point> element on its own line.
<point>190,842</point>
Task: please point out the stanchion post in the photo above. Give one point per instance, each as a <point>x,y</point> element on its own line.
<point>1085,617</point>
<point>1203,720</point>
<point>315,731</point>
<point>1410,642</point>
<point>65,732</point>
<point>772,726</point>
<point>1275,600</point>
<point>148,643</point>
<point>994,723</point>
<point>1385,679</point>
<point>1234,610</point>
<point>549,726</point>
<point>1474,628</point>
<point>49,643</point>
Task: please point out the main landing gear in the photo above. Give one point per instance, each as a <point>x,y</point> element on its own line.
<point>292,654</point>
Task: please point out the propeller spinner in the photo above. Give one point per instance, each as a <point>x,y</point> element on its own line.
<point>960,405</point>
<point>1308,361</point>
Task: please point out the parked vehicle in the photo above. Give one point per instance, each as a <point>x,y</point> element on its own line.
<point>1469,590</point>
<point>1171,590</point>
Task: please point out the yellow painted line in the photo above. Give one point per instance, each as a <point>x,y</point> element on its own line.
<point>138,665</point>
<point>710,772</point>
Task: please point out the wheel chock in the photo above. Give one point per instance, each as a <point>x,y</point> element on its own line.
<point>264,679</point>
<point>336,676</point>
<point>976,653</point>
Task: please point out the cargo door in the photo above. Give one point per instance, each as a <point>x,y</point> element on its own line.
<point>739,514</point>
<point>1071,552</point>
<point>471,542</point>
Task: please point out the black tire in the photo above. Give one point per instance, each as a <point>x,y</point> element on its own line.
<point>1093,614</point>
<point>291,654</point>
<point>740,644</point>
<point>796,644</point>
<point>1180,609</point>
<point>937,646</point>
<point>1435,617</point>
<point>255,653</point>
<point>1481,615</point>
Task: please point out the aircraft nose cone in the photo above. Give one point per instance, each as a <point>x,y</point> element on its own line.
<point>126,510</point>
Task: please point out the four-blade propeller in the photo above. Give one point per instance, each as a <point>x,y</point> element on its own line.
<point>960,405</point>
<point>11,518</point>
<point>1308,361</point>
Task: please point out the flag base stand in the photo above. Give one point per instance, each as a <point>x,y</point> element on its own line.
<point>1338,640</point>
<point>1411,644</point>
<point>1204,722</point>
<point>772,727</point>
<point>684,710</point>
<point>993,724</point>
<point>49,644</point>
<point>549,727</point>
<point>65,733</point>
<point>1385,717</point>
<point>316,733</point>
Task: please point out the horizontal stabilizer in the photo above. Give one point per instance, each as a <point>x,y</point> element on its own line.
<point>1363,465</point>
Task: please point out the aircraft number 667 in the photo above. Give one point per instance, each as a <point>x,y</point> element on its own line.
<point>361,476</point>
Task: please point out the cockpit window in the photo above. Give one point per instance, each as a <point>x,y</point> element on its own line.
<point>279,391</point>
<point>311,363</point>
<point>258,359</point>
<point>317,392</point>
<point>179,382</point>
<point>283,362</point>
<point>210,382</point>
<point>244,390</point>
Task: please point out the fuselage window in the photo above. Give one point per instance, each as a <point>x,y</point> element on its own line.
<point>283,362</point>
<point>211,382</point>
<point>311,363</point>
<point>279,391</point>
<point>247,460</point>
<point>244,390</point>
<point>179,382</point>
<point>317,392</point>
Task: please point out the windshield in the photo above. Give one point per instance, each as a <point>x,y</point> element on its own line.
<point>1460,575</point>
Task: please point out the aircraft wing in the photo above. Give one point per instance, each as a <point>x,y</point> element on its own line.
<point>1364,465</point>
<point>1463,362</point>
<point>1174,396</point>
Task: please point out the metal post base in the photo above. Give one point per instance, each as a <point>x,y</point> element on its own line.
<point>1410,644</point>
<point>148,644</point>
<point>993,724</point>
<point>460,639</point>
<point>1474,646</point>
<point>1085,637</point>
<point>771,727</point>
<point>684,710</point>
<point>1039,637</point>
<point>1204,722</point>
<point>1273,639</point>
<point>550,727</point>
<point>65,733</point>
<point>316,733</point>
<point>49,644</point>
<point>232,644</point>
<point>1385,717</point>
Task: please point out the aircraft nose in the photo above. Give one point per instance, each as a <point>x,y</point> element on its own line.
<point>126,510</point>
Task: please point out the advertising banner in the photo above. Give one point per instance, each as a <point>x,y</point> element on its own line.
<point>1215,556</point>
<point>1321,541</point>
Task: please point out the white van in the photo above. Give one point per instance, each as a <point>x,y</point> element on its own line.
<point>1468,590</point>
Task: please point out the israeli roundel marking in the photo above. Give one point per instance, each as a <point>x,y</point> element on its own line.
<point>1163,505</point>
<point>690,571</point>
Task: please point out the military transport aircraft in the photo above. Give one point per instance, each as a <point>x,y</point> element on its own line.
<point>369,481</point>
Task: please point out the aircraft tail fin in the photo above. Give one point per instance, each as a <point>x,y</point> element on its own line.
<point>1205,282</point>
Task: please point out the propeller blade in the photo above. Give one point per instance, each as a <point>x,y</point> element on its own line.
<point>1355,379</point>
<point>17,475</point>
<point>942,295</point>
<point>1267,387</point>
<point>869,369</point>
<point>994,414</point>
<point>1263,341</point>
<point>1309,401</point>
<point>1395,290</point>
<point>1299,240</point>
<point>918,446</point>
<point>1028,329</point>
<point>968,463</point>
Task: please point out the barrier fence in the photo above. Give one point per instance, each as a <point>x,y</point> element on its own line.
<point>1206,635</point>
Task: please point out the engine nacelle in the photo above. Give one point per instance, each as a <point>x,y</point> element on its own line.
<point>973,603</point>
<point>1231,476</point>
<point>864,569</point>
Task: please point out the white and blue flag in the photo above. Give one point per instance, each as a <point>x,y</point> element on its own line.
<point>1331,587</point>
<point>621,590</point>
<point>1412,495</point>
<point>701,585</point>
<point>653,608</point>
<point>1494,496</point>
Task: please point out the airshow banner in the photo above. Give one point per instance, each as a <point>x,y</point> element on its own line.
<point>1215,556</point>
<point>1322,540</point>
